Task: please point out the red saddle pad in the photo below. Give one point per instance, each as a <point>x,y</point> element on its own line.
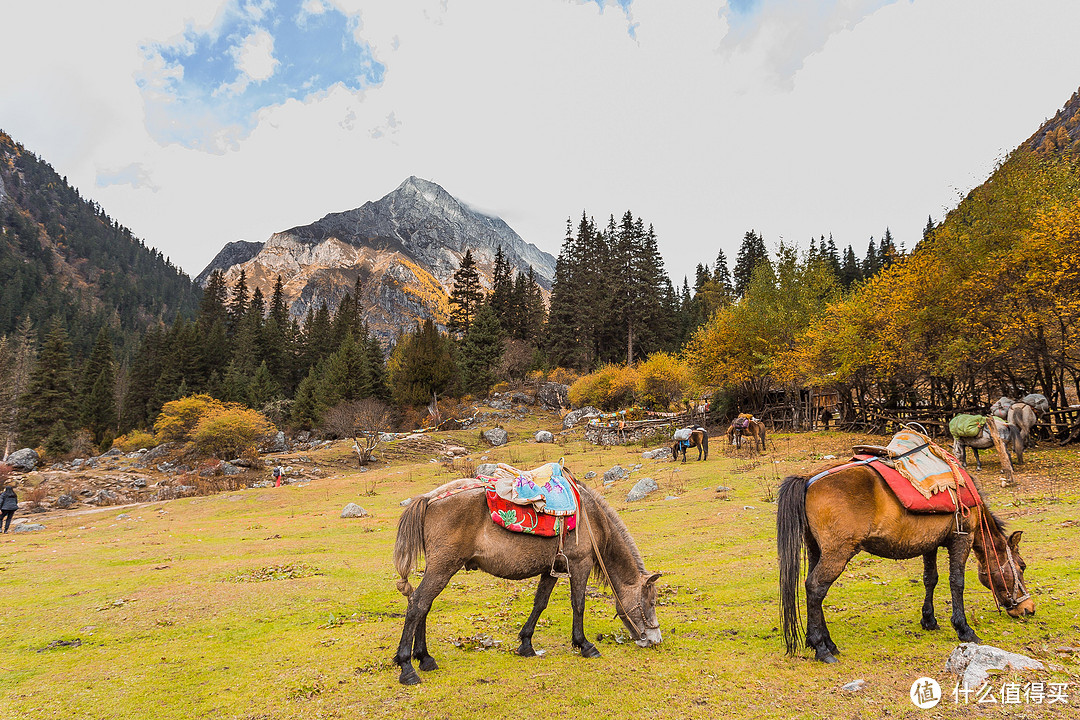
<point>524,519</point>
<point>914,500</point>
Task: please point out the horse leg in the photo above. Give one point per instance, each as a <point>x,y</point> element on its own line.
<point>813,556</point>
<point>543,594</point>
<point>579,577</point>
<point>818,581</point>
<point>435,579</point>
<point>959,548</point>
<point>978,461</point>
<point>930,579</point>
<point>420,654</point>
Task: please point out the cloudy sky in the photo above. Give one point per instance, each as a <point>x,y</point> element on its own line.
<point>204,121</point>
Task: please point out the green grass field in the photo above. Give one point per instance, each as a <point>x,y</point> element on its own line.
<point>264,603</point>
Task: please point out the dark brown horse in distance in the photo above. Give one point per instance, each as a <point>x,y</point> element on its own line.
<point>746,424</point>
<point>456,532</point>
<point>852,510</point>
<point>699,438</point>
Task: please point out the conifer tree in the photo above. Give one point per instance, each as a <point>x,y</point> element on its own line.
<point>871,263</point>
<point>850,271</point>
<point>279,311</point>
<point>213,306</point>
<point>16,363</point>
<point>723,276</point>
<point>502,288</point>
<point>424,366</point>
<point>50,389</point>
<point>481,351</point>
<point>752,252</point>
<point>97,404</point>
<point>467,294</point>
<point>238,303</point>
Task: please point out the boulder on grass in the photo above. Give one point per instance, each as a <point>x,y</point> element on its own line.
<point>642,488</point>
<point>544,436</point>
<point>352,510</point>
<point>25,460</point>
<point>974,663</point>
<point>496,436</point>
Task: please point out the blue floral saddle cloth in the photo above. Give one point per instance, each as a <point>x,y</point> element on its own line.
<point>545,488</point>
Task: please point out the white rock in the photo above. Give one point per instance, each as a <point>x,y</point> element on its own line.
<point>974,662</point>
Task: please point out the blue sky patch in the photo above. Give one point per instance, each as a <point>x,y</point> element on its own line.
<point>205,89</point>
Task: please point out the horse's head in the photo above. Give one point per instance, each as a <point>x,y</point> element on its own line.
<point>639,613</point>
<point>1001,569</point>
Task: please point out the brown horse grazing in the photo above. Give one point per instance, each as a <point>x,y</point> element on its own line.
<point>699,438</point>
<point>755,428</point>
<point>456,531</point>
<point>853,509</point>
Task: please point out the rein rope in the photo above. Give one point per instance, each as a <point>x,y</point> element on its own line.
<point>1019,593</point>
<point>620,606</point>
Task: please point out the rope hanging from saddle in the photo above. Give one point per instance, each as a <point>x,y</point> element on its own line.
<point>620,607</point>
<point>1019,593</point>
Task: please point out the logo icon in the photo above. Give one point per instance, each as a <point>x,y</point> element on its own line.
<point>925,693</point>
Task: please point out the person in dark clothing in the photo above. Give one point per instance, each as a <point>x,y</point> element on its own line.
<point>9,503</point>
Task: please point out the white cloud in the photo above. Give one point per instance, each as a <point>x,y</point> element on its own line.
<point>254,56</point>
<point>540,110</point>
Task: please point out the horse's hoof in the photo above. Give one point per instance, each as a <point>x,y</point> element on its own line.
<point>970,637</point>
<point>826,658</point>
<point>409,677</point>
<point>590,651</point>
<point>930,624</point>
<point>526,651</point>
<point>428,664</point>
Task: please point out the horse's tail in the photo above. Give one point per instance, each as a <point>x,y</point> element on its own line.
<point>409,546</point>
<point>790,531</point>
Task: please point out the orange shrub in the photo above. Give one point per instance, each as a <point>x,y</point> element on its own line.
<point>135,440</point>
<point>609,388</point>
<point>228,431</point>
<point>178,419</point>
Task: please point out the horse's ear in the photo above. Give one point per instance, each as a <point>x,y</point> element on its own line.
<point>1014,539</point>
<point>653,578</point>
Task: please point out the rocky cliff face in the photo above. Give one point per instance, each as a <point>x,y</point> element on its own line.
<point>404,249</point>
<point>233,253</point>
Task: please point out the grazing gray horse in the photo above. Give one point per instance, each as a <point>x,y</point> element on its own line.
<point>1010,435</point>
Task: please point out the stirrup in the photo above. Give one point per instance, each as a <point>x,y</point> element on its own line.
<point>555,574</point>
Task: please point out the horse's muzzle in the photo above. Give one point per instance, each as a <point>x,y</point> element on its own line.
<point>652,637</point>
<point>1025,608</point>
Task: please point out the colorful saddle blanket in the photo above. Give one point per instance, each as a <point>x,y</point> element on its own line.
<point>925,477</point>
<point>537,501</point>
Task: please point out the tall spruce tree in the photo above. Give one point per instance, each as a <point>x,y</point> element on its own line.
<point>752,252</point>
<point>723,276</point>
<point>50,390</point>
<point>467,294</point>
<point>424,366</point>
<point>97,402</point>
<point>481,351</point>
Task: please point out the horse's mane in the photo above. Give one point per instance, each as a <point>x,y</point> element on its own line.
<point>617,532</point>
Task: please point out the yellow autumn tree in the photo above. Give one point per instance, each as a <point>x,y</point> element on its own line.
<point>228,431</point>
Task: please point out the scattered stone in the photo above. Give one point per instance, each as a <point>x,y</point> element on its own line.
<point>496,436</point>
<point>660,453</point>
<point>406,502</point>
<point>456,451</point>
<point>26,459</point>
<point>105,497</point>
<point>487,469</point>
<point>636,468</point>
<point>228,468</point>
<point>77,463</point>
<point>303,436</point>
<point>277,444</point>
<point>521,398</point>
<point>352,510</point>
<point>724,488</point>
<point>553,396</point>
<point>122,516</point>
<point>65,501</point>
<point>672,497</point>
<point>974,663</point>
<point>615,473</point>
<point>387,437</point>
<point>748,507</point>
<point>573,418</point>
<point>643,487</point>
<point>112,452</point>
<point>27,527</point>
<point>544,436</point>
<point>590,475</point>
<point>854,685</point>
<point>138,482</point>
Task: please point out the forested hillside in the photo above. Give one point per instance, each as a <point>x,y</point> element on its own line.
<point>63,258</point>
